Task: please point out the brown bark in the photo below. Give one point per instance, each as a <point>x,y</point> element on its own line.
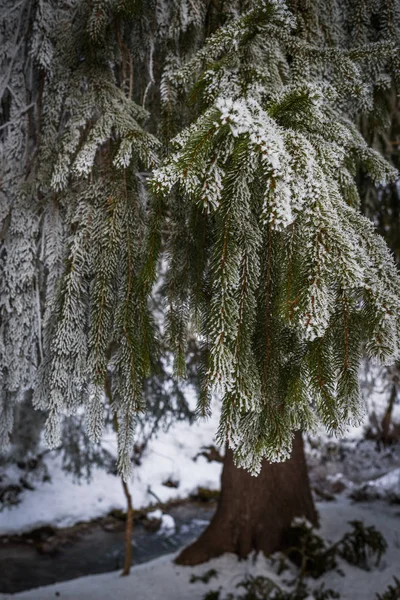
<point>254,513</point>
<point>128,531</point>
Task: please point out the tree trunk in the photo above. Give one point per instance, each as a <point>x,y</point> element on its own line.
<point>254,513</point>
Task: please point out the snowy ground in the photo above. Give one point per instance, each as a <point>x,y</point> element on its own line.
<point>62,502</point>
<point>161,578</point>
<point>346,469</point>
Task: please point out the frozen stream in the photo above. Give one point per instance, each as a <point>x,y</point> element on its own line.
<point>27,562</point>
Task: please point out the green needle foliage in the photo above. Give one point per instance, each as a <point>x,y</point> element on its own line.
<point>362,546</point>
<point>270,264</point>
<point>99,331</point>
<point>392,592</point>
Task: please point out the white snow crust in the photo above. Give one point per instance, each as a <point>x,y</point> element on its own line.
<point>162,579</point>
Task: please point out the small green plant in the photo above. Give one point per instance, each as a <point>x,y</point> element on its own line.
<point>205,578</point>
<point>313,557</point>
<point>212,595</point>
<point>263,588</point>
<point>392,592</point>
<point>325,594</point>
<point>362,545</point>
<point>258,588</point>
<point>300,593</point>
<point>255,588</point>
<point>308,551</point>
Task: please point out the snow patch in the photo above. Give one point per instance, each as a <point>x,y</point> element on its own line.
<point>62,502</point>
<point>167,525</point>
<point>162,578</point>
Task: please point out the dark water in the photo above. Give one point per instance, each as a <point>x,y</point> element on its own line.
<point>25,564</point>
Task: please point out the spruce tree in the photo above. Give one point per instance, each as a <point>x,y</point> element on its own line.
<point>271,261</point>
<point>263,185</point>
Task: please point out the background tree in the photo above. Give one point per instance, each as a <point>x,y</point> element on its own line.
<point>77,72</point>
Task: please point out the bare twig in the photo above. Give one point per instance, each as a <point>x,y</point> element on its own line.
<point>128,531</point>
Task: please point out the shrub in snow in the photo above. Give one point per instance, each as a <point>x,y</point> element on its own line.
<point>392,592</point>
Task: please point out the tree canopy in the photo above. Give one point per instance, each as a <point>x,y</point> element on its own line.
<point>254,203</point>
